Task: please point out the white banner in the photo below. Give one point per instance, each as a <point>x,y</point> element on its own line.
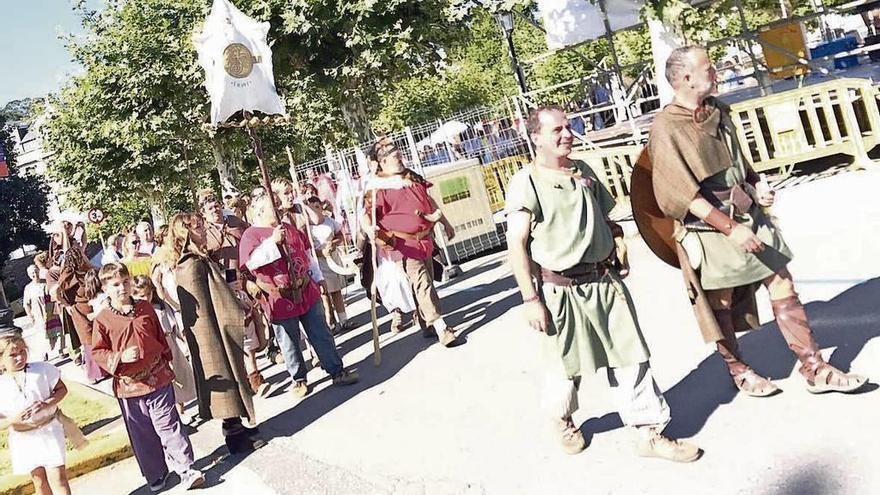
<point>237,60</point>
<point>569,22</point>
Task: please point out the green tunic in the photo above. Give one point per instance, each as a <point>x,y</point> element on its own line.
<point>593,325</point>
<point>722,264</point>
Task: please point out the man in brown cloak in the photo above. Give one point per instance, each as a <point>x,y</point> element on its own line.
<point>703,181</point>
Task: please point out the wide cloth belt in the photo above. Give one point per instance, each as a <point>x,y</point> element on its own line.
<point>580,274</point>
<point>143,374</point>
<point>72,432</point>
<point>411,236</point>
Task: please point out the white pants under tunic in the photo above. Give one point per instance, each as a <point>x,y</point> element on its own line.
<point>636,395</point>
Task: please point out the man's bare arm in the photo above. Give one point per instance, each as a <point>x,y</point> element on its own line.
<point>518,229</point>
<point>741,235</point>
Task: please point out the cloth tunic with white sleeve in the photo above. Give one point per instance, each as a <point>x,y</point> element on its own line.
<point>592,325</point>
<point>43,446</point>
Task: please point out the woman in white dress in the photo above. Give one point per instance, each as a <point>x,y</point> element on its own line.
<point>31,393</point>
<point>326,238</point>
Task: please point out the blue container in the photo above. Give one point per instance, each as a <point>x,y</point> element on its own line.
<point>837,46</point>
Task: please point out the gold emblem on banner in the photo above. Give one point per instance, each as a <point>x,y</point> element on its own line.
<point>238,61</point>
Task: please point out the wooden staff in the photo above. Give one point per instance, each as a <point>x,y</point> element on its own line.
<point>377,353</point>
<point>257,146</point>
<point>189,175</point>
<point>304,213</point>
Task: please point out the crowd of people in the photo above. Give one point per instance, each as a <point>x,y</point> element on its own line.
<point>485,141</point>
<point>176,317</point>
<point>222,283</point>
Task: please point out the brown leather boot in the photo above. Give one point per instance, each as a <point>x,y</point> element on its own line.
<point>258,384</point>
<point>744,378</point>
<point>795,327</point>
<point>570,437</point>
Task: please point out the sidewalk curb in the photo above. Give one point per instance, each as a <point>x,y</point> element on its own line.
<point>26,487</point>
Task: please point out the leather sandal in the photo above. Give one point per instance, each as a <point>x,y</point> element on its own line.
<point>830,379</point>
<point>753,384</point>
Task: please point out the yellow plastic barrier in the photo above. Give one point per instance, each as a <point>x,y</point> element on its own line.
<point>497,174</point>
<point>780,130</point>
<point>613,166</point>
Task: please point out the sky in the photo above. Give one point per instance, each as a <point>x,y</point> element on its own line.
<point>34,60</point>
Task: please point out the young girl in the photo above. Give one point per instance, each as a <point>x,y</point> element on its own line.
<point>97,301</point>
<point>30,395</point>
<point>129,344</point>
<point>184,382</point>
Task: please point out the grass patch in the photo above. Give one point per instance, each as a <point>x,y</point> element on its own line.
<point>91,410</point>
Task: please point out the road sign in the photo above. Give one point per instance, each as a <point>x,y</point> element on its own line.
<point>96,216</point>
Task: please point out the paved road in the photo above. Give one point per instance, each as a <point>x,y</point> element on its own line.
<point>465,420</point>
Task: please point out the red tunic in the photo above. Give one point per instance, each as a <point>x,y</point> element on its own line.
<point>396,210</point>
<point>276,273</point>
<point>113,333</point>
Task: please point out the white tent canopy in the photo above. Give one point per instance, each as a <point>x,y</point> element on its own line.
<point>569,22</point>
<point>445,133</point>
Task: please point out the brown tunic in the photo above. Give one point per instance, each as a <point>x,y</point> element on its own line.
<point>223,240</point>
<point>115,332</point>
<point>73,296</point>
<point>685,153</point>
<point>211,312</point>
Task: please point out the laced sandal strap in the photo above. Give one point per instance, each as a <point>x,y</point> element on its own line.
<point>754,384</point>
<point>829,375</point>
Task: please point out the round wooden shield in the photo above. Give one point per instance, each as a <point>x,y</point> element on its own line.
<point>655,227</point>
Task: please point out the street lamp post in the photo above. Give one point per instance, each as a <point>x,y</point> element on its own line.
<point>505,22</point>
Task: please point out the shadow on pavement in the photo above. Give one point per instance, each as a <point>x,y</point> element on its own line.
<point>810,479</point>
<point>395,355</point>
<point>89,428</point>
<point>847,322</point>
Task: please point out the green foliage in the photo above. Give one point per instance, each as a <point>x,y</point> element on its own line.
<point>476,72</point>
<point>20,110</point>
<point>118,130</point>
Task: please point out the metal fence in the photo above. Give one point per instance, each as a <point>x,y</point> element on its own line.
<point>488,133</point>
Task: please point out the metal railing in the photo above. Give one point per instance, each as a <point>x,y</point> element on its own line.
<point>837,116</point>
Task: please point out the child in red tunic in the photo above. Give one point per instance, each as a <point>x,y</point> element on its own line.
<point>129,343</point>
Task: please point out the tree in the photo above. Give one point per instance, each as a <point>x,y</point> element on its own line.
<point>23,204</point>
<point>119,129</point>
<point>19,110</point>
<point>356,50</point>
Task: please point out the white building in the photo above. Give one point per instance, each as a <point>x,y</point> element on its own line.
<point>30,158</point>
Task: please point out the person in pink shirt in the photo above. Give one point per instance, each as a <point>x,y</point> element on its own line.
<point>289,297</point>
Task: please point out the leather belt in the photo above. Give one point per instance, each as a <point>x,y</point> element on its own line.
<point>411,236</point>
<point>731,201</point>
<point>583,273</point>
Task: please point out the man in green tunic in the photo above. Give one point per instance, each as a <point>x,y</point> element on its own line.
<point>558,231</point>
<point>702,180</point>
